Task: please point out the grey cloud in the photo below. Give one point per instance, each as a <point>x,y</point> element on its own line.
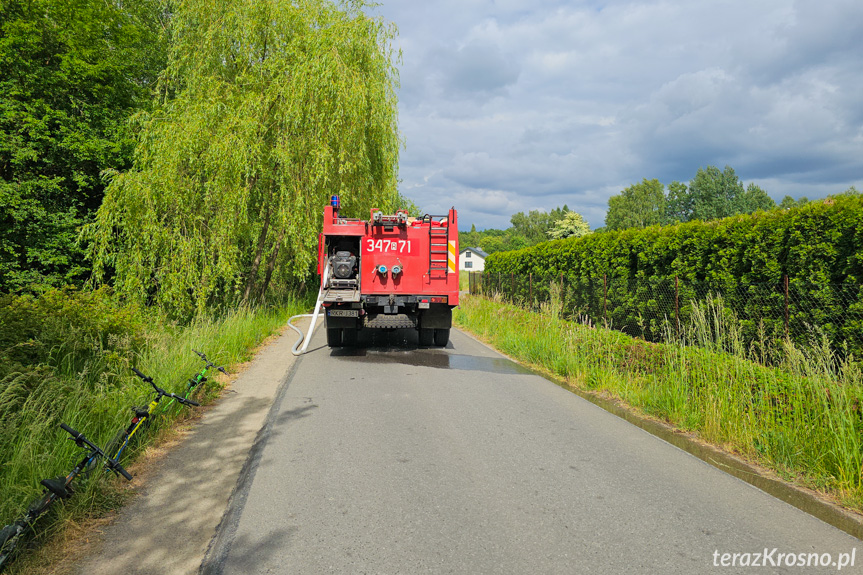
<point>473,70</point>
<point>511,105</point>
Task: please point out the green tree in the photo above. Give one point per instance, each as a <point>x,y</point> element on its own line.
<point>755,199</point>
<point>492,244</point>
<point>571,226</point>
<point>267,109</point>
<point>535,225</point>
<point>469,239</point>
<point>516,241</point>
<point>788,202</point>
<point>638,206</point>
<point>712,194</point>
<point>559,213</point>
<point>678,204</point>
<point>71,74</point>
<point>715,194</point>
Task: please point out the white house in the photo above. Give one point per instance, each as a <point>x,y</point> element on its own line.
<point>472,259</point>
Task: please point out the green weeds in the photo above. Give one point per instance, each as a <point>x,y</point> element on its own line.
<point>65,356</point>
<point>802,417</point>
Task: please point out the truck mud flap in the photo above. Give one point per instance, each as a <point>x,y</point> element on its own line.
<point>436,317</point>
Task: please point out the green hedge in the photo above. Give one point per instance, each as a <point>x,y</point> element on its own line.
<point>819,246</point>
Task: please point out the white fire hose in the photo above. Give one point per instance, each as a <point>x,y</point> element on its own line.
<point>304,340</point>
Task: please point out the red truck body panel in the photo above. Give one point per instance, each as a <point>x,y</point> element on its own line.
<point>426,250</point>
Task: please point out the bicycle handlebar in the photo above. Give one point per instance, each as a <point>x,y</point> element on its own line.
<point>75,435</point>
<point>183,400</point>
<point>164,393</point>
<point>112,464</point>
<point>146,378</point>
<point>115,466</point>
<point>210,363</point>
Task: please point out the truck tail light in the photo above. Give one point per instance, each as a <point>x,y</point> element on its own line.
<point>438,299</point>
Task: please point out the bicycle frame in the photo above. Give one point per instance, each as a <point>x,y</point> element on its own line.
<point>136,423</point>
<point>142,416</point>
<point>196,379</point>
<point>59,488</point>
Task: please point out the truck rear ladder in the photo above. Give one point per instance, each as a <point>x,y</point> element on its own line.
<point>438,246</point>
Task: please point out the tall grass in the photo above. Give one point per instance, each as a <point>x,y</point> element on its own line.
<point>802,417</point>
<point>65,356</point>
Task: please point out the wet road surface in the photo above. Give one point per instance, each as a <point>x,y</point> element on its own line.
<point>391,458</point>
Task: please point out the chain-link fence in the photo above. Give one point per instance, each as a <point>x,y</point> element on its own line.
<point>658,309</point>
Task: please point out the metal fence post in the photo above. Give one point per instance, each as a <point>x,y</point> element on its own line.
<point>605,299</point>
<point>785,281</point>
<point>677,306</point>
<point>562,296</point>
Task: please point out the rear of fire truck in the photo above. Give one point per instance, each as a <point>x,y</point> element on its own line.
<point>390,272</point>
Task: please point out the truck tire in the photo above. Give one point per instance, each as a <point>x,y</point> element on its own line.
<point>426,337</point>
<point>441,337</point>
<point>334,336</point>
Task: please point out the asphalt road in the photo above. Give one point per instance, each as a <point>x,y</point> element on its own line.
<point>394,459</point>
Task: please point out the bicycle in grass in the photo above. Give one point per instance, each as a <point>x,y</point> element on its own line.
<point>141,419</point>
<point>57,488</point>
<point>117,446</point>
<point>198,379</point>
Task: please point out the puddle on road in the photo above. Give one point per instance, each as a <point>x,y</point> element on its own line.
<point>433,358</point>
<point>400,347</point>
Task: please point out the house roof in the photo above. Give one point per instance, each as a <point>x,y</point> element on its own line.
<point>477,251</point>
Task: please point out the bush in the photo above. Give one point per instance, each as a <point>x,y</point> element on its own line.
<point>745,258</point>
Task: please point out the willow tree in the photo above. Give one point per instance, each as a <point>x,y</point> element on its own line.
<point>267,108</point>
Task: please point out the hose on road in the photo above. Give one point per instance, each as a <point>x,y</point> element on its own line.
<point>304,339</point>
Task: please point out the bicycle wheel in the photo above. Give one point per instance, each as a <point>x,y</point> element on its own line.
<point>196,390</point>
<point>9,537</point>
<point>117,446</point>
<point>11,534</point>
<point>110,450</point>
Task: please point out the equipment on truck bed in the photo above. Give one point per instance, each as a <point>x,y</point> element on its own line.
<point>392,271</point>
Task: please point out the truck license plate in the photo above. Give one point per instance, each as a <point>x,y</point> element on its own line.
<point>343,313</point>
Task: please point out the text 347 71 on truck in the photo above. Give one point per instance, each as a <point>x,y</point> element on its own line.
<point>390,272</point>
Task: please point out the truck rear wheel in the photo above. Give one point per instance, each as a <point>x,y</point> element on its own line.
<point>441,337</point>
<point>426,337</point>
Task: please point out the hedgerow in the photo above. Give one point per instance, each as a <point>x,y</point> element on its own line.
<point>619,275</point>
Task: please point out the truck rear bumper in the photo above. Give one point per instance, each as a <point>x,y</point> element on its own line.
<point>436,316</point>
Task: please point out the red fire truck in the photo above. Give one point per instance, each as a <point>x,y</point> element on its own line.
<point>392,271</point>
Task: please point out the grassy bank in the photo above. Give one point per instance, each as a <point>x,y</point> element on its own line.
<point>463,280</point>
<point>802,418</point>
<point>66,357</point>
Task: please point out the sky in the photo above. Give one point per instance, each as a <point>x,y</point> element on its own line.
<point>515,105</point>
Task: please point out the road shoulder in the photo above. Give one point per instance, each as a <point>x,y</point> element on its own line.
<point>169,525</point>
